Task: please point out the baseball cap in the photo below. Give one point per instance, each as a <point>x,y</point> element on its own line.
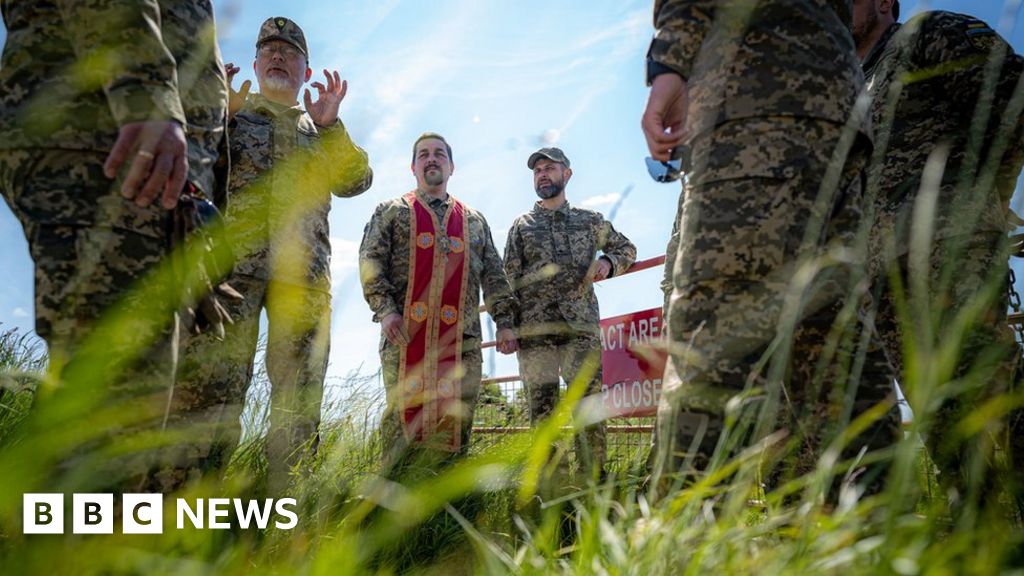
<point>553,154</point>
<point>281,28</point>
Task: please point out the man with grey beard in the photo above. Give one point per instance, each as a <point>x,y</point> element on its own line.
<point>286,163</point>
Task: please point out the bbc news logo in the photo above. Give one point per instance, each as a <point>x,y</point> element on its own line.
<point>144,513</point>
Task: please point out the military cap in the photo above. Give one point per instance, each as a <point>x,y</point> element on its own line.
<point>281,28</point>
<point>553,154</point>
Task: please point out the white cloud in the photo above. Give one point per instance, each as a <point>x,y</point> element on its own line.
<point>344,258</point>
<point>550,136</point>
<point>20,312</point>
<point>601,200</point>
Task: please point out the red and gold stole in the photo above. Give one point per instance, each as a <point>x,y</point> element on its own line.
<point>430,370</point>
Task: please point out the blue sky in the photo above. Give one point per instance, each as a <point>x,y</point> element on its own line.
<point>497,78</point>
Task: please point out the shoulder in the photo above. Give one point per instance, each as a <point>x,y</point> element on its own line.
<point>586,215</point>
<point>391,207</point>
<point>953,32</point>
<point>473,215</point>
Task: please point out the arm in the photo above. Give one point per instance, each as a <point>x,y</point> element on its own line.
<point>498,296</point>
<point>680,28</point>
<point>141,91</point>
<point>667,283</point>
<point>616,248</point>
<point>141,86</point>
<point>514,258</point>
<point>348,163</point>
<point>374,272</point>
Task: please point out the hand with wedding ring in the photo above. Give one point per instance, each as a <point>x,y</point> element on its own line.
<point>159,165</point>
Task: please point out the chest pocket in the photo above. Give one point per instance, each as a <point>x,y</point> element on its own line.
<point>251,138</point>
<point>581,240</point>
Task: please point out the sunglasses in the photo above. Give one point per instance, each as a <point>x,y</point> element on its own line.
<point>677,165</point>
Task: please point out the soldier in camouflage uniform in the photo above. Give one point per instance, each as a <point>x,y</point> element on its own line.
<point>285,164</point>
<point>108,110</point>
<point>763,93</point>
<point>946,135</point>
<point>384,265</point>
<point>550,262</point>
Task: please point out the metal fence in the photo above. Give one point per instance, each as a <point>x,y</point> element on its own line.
<point>502,409</point>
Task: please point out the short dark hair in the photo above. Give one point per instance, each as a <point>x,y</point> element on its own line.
<point>431,136</point>
<point>896,9</point>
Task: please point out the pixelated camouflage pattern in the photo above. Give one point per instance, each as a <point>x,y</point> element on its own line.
<point>281,28</point>
<point>549,258</point>
<point>73,72</point>
<point>759,58</point>
<point>938,81</point>
<point>384,266</point>
<point>213,377</point>
<point>671,249</point>
<point>928,78</point>
<point>284,169</point>
<point>743,232</point>
<point>541,362</point>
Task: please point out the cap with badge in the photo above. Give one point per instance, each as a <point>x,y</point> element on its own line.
<point>281,28</point>
<point>553,154</point>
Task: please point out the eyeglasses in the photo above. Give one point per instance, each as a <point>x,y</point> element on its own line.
<point>285,50</point>
<point>674,169</point>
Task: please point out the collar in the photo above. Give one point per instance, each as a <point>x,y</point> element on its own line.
<point>875,54</point>
<point>538,208</point>
<point>428,199</point>
<point>261,103</point>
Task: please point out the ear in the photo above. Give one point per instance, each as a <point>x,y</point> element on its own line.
<point>253,66</point>
<point>452,164</point>
<point>568,174</point>
<point>309,74</point>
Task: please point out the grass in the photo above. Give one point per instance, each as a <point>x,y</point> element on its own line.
<point>61,427</point>
<point>471,518</point>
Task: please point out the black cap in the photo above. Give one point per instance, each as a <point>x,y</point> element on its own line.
<point>553,154</point>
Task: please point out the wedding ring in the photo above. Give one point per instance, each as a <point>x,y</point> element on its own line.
<point>145,154</point>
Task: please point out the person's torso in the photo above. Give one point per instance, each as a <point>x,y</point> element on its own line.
<point>281,213</point>
<point>775,58</point>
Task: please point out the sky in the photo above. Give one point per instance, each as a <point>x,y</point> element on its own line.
<point>499,79</point>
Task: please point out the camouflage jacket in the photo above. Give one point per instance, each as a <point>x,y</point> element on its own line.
<point>757,58</point>
<point>931,93</point>
<point>548,259</point>
<point>73,72</point>
<point>384,266</point>
<point>284,169</point>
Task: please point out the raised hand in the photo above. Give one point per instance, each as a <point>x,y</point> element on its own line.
<point>324,111</point>
<point>236,99</point>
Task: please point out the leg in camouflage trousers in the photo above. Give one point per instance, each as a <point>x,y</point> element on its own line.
<point>93,252</point>
<point>541,362</point>
<point>743,232</point>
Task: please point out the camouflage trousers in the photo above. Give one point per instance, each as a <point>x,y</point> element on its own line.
<point>214,378</point>
<point>573,355</point>
<point>400,456</point>
<point>964,275</point>
<point>756,316</point>
<point>109,324</point>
